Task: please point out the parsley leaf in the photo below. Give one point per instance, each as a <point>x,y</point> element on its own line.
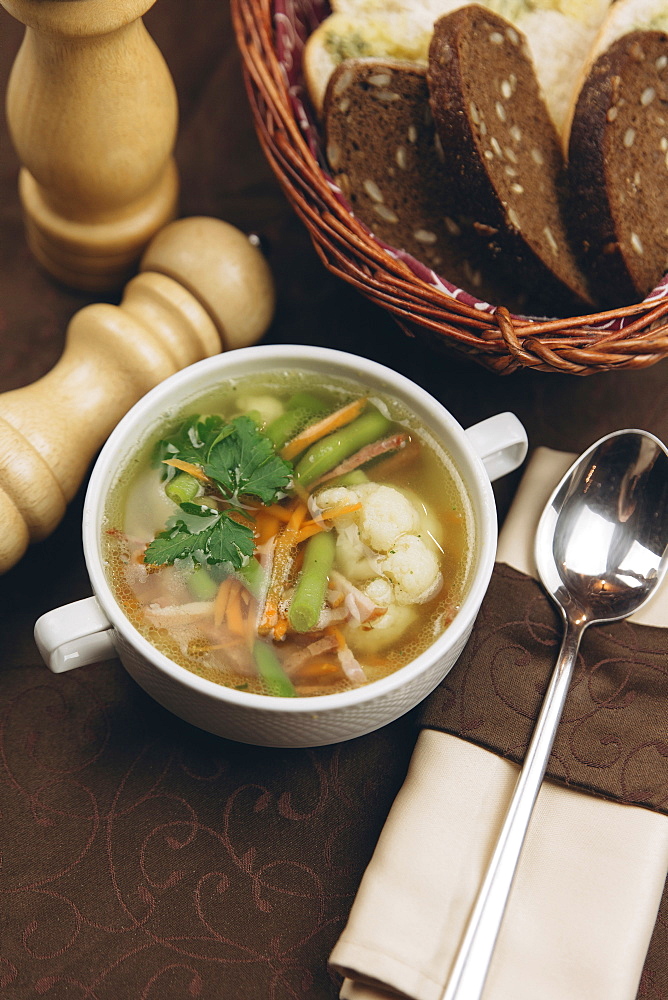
<point>198,509</point>
<point>236,455</point>
<point>222,541</point>
<point>244,463</point>
<point>230,542</point>
<point>190,440</point>
<point>240,461</point>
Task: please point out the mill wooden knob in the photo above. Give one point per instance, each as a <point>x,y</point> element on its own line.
<point>92,112</point>
<point>203,288</point>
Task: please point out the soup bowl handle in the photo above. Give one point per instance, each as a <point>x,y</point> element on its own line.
<point>75,635</point>
<point>501,442</point>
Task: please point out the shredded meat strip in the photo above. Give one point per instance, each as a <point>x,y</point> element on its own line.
<point>295,660</point>
<point>373,450</point>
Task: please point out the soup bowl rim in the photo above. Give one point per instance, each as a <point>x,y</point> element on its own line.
<point>356,368</point>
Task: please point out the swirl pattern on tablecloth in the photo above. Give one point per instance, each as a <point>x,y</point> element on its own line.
<point>612,739</point>
<point>187,865</point>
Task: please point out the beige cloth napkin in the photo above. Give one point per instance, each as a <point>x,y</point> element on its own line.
<point>590,879</point>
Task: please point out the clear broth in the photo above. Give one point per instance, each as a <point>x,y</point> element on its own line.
<point>137,509</point>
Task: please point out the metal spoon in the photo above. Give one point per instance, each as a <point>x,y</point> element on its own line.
<point>601,551</point>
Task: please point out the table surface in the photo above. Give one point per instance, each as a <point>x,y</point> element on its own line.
<point>139,854</point>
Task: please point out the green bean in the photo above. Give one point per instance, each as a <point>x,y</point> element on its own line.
<point>252,576</point>
<point>182,487</point>
<point>309,594</point>
<point>325,455</point>
<point>353,478</point>
<point>272,673</point>
<point>201,585</point>
<point>301,411</point>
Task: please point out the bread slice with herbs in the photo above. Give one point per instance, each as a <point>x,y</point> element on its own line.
<point>386,158</point>
<point>503,158</point>
<point>369,32</point>
<point>618,154</point>
<point>559,34</point>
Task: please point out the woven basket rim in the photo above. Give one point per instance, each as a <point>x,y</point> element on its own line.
<point>496,339</point>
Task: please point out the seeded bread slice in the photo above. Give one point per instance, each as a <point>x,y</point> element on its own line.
<point>559,34</point>
<point>618,165</point>
<point>385,156</point>
<point>503,158</point>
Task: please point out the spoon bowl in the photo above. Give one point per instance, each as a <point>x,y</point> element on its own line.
<point>601,551</point>
<point>601,541</point>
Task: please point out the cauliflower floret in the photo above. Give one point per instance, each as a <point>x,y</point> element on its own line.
<point>380,540</point>
<point>337,496</point>
<point>380,591</point>
<point>414,570</point>
<point>386,514</point>
<point>267,406</point>
<point>381,632</point>
<point>353,557</point>
<point>430,526</point>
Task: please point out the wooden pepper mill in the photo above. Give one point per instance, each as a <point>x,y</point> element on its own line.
<point>92,112</point>
<point>203,288</point>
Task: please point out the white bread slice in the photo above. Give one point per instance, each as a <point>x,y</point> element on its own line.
<point>357,29</point>
<point>559,34</point>
<point>618,154</point>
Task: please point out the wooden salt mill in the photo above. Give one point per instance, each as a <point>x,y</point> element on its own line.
<point>92,112</point>
<point>203,288</point>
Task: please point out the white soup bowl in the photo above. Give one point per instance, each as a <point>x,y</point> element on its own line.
<point>96,627</point>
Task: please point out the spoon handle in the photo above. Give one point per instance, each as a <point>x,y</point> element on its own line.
<point>470,968</point>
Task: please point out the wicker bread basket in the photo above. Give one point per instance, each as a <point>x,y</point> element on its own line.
<point>271,35</point>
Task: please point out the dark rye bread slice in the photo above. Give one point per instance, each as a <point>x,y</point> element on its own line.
<point>385,156</point>
<point>618,167</point>
<point>502,155</point>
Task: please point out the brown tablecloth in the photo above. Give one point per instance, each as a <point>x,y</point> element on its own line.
<point>140,857</point>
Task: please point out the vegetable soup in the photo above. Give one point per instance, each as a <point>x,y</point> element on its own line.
<point>290,537</point>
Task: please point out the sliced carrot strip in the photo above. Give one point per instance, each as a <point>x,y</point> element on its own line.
<point>299,559</point>
<point>193,470</point>
<point>266,527</point>
<point>309,528</point>
<point>287,536</point>
<point>236,641</point>
<point>312,528</point>
<point>220,601</point>
<point>330,423</point>
<point>318,669</point>
<point>284,553</point>
<point>278,511</point>
<point>334,512</point>
<point>338,635</point>
<point>280,628</point>
<point>235,615</point>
